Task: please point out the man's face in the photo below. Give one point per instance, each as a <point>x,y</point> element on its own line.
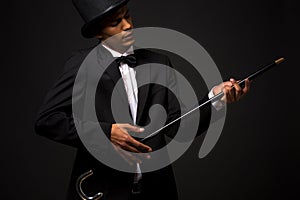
<point>119,24</point>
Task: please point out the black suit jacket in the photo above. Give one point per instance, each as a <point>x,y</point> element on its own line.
<point>55,121</point>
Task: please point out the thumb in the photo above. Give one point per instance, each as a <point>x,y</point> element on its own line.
<point>134,128</point>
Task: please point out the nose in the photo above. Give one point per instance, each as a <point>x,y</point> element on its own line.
<point>126,25</point>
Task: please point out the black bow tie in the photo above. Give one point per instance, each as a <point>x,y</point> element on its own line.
<point>130,60</point>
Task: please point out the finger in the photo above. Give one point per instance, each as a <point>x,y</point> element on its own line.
<point>132,128</point>
<point>238,91</point>
<point>129,149</point>
<point>227,83</point>
<point>235,91</point>
<point>229,93</point>
<point>145,155</point>
<point>247,86</point>
<point>127,156</point>
<point>232,94</point>
<point>139,145</point>
<point>122,140</point>
<point>232,80</point>
<point>225,86</point>
<point>225,92</point>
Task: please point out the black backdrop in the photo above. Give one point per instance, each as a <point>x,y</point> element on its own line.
<point>257,155</point>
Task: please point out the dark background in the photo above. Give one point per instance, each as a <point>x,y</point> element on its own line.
<point>257,155</point>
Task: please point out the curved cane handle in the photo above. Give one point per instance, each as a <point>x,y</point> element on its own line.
<point>79,189</point>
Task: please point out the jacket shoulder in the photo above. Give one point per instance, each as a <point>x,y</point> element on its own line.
<point>76,58</point>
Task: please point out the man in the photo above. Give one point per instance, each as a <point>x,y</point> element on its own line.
<point>111,23</point>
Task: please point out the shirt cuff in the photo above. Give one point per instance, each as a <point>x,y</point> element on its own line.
<point>217,104</point>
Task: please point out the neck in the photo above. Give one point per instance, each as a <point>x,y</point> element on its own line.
<point>118,49</point>
<point>118,52</point>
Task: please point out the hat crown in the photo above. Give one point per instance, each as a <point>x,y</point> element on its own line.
<point>91,10</point>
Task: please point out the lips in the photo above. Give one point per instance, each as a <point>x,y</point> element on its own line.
<point>128,35</point>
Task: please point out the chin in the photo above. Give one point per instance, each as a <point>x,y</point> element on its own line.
<point>129,43</point>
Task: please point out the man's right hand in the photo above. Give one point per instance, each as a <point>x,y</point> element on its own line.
<point>121,138</point>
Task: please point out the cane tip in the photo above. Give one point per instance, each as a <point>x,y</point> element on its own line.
<point>280,60</point>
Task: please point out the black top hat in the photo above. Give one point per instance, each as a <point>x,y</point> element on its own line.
<point>93,11</point>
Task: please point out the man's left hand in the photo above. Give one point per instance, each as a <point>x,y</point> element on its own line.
<point>232,90</point>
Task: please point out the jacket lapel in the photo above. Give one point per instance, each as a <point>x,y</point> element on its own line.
<point>143,80</point>
<point>105,59</point>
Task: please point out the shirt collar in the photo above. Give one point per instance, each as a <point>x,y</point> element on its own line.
<point>118,54</point>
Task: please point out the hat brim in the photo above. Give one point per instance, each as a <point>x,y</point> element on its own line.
<point>90,30</point>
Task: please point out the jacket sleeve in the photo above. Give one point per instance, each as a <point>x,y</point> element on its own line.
<point>55,117</point>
